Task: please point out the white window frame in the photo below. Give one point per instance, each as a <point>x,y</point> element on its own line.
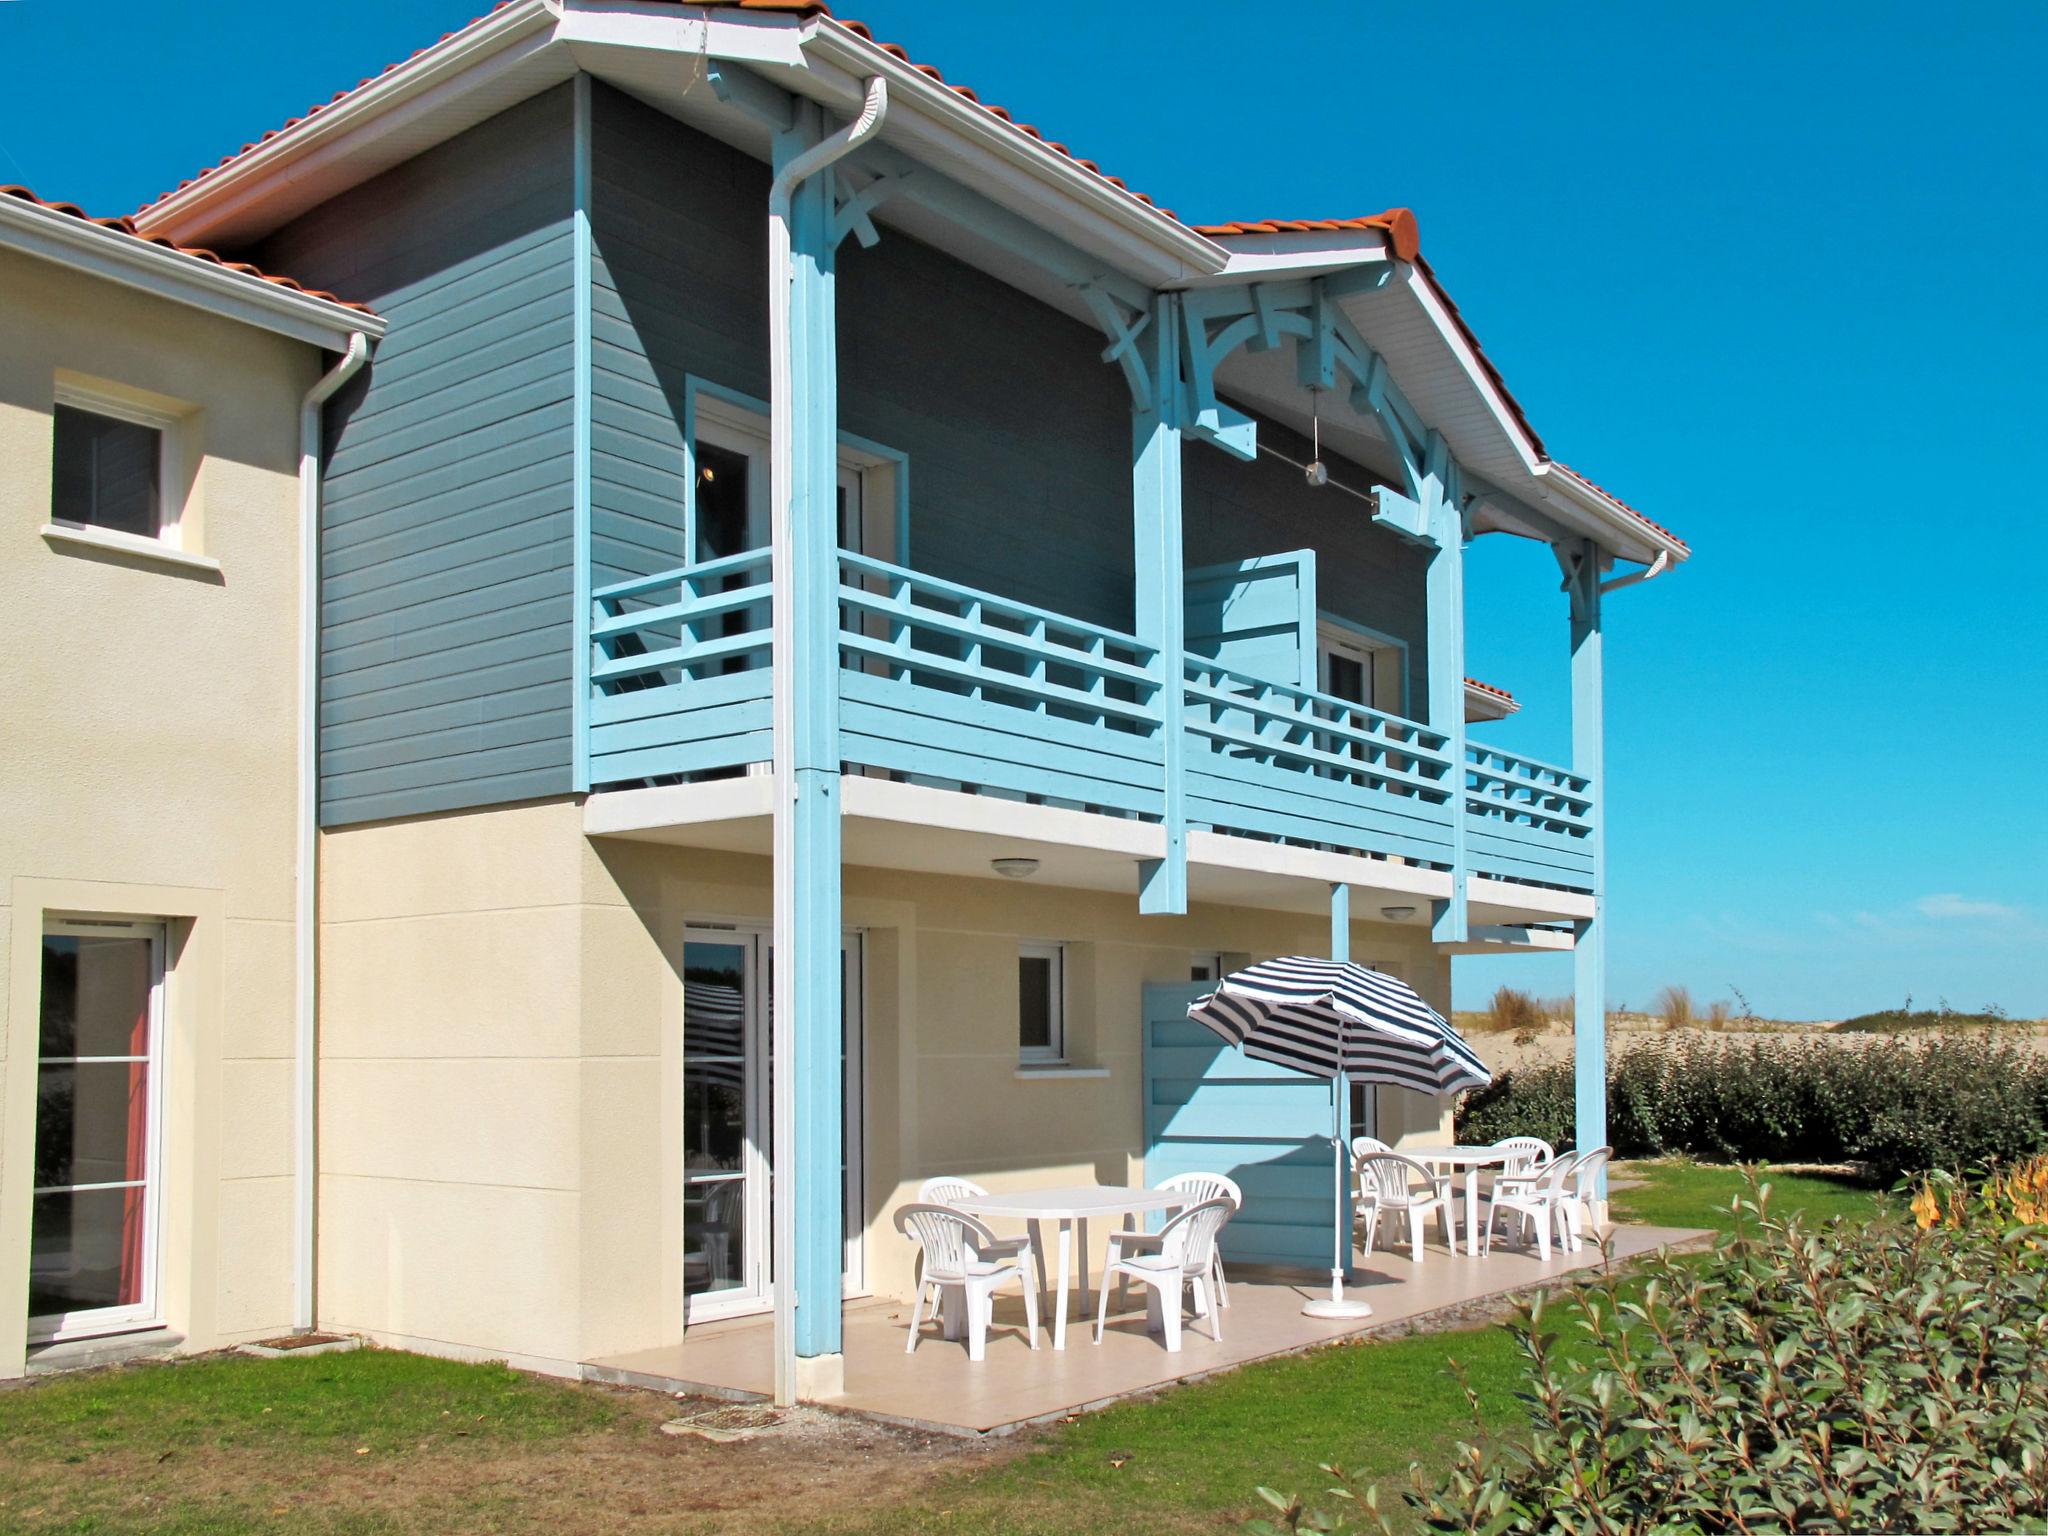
<point>756,1295</point>
<point>86,395</point>
<point>1210,960</point>
<point>1054,1051</point>
<point>877,477</point>
<point>51,1328</point>
<point>1385,660</point>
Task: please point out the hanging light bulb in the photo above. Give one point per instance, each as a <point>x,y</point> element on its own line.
<point>1314,471</point>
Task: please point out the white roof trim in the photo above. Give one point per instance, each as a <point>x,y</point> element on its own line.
<point>86,246</point>
<point>414,87</point>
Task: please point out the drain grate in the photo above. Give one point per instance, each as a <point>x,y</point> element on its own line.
<point>736,1421</point>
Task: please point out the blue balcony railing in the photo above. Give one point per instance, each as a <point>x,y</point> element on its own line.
<point>943,684</point>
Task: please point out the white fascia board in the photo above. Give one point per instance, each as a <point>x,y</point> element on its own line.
<point>1612,525</point>
<point>745,36</point>
<point>184,279</point>
<point>934,122</point>
<point>1296,254</point>
<point>425,84</point>
<point>1481,704</point>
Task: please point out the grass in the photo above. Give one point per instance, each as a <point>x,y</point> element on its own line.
<point>385,1444</point>
<point>1675,1193</point>
<point>1900,1021</point>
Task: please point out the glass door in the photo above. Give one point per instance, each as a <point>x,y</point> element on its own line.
<point>728,1163</point>
<point>93,1231</point>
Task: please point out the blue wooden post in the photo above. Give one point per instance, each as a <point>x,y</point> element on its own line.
<point>808,1240</point>
<point>1340,1087</point>
<point>583,253</point>
<point>1161,618</point>
<point>1589,955</point>
<point>1445,592</point>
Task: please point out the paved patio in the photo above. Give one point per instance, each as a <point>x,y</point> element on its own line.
<point>939,1388</point>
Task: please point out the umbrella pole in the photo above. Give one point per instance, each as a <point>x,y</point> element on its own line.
<point>1336,1304</point>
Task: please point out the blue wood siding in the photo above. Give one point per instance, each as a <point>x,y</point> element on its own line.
<point>447,542</point>
<point>1364,572</point>
<point>1209,1108</point>
<point>679,278</point>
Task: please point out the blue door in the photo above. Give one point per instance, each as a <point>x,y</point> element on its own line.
<point>1209,1108</point>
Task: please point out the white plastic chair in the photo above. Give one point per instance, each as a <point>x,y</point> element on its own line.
<point>1185,1259</point>
<point>1198,1187</point>
<point>1539,1203</point>
<point>950,1189</point>
<point>961,1254</point>
<point>1386,1186</point>
<point>1582,1188</point>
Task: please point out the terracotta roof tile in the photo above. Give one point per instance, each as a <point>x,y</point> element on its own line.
<point>126,226</point>
<point>1498,693</point>
<point>1397,224</point>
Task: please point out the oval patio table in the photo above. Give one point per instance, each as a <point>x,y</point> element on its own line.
<point>1071,1206</point>
<point>1471,1159</point>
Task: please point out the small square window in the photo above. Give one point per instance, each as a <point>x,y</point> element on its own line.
<point>1205,967</point>
<point>108,473</point>
<point>1041,1003</point>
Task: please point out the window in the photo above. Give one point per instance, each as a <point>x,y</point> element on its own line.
<point>92,1238</point>
<point>1205,967</point>
<point>729,489</point>
<point>1041,1003</point>
<point>108,473</point>
<point>1359,668</point>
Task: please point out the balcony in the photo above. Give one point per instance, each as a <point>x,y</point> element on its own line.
<point>951,688</point>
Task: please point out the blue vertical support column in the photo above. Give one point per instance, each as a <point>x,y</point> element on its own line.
<point>808,1241</point>
<point>1589,953</point>
<point>1161,614</point>
<point>1444,521</point>
<point>584,259</point>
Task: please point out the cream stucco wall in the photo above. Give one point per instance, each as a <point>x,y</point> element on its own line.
<point>147,770</point>
<point>501,1072</point>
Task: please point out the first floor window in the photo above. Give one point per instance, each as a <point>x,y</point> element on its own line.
<point>1041,1003</point>
<point>107,472</point>
<point>92,1244</point>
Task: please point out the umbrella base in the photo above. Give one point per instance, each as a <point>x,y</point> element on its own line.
<point>1335,1306</point>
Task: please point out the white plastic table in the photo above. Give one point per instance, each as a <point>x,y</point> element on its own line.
<point>1471,1159</point>
<point>1071,1207</point>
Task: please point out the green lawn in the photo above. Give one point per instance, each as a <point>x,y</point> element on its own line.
<point>1682,1194</point>
<point>377,1443</point>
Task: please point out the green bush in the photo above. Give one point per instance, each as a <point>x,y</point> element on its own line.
<point>1865,1377</point>
<point>1898,1106</point>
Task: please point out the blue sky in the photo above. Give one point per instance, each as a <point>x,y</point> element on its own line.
<point>1772,273</point>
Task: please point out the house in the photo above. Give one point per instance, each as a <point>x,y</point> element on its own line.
<point>804,534</point>
<point>150,488</point>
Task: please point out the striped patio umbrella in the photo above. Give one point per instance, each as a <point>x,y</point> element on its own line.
<point>1331,1018</point>
<point>1338,1020</point>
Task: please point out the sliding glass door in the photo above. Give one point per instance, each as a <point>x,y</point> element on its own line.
<point>93,1233</point>
<point>728,1158</point>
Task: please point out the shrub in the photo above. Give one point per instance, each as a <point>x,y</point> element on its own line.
<point>1899,1106</point>
<point>1514,1009</point>
<point>1719,1013</point>
<point>1874,1377</point>
<point>1674,1007</point>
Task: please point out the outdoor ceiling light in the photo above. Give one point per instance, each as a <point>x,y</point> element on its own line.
<point>1014,868</point>
<point>1397,914</point>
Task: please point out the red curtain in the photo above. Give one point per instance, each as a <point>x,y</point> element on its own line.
<point>135,1197</point>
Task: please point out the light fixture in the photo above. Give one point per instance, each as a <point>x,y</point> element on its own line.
<point>1014,868</point>
<point>1397,914</point>
<point>1313,470</point>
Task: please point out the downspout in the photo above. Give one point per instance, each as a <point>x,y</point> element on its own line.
<point>306,907</point>
<point>782,472</point>
<point>1649,572</point>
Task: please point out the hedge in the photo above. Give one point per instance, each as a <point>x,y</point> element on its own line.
<point>1879,1376</point>
<point>1897,1106</point>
